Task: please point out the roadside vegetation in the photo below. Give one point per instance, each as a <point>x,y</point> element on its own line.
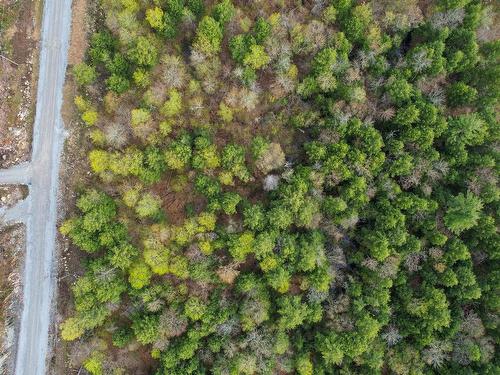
<point>289,187</point>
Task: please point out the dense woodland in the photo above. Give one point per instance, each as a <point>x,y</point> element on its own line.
<point>289,187</point>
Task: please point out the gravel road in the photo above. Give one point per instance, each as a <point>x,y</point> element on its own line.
<point>15,214</point>
<point>20,174</point>
<point>42,173</point>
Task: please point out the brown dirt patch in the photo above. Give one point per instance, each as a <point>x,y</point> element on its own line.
<point>174,203</point>
<point>11,194</point>
<point>78,42</point>
<point>12,240</point>
<point>19,36</point>
<point>22,39</point>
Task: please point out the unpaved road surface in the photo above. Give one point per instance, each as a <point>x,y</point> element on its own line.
<point>20,174</point>
<point>42,176</point>
<point>17,213</point>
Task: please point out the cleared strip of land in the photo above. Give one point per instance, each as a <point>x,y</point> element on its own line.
<point>20,174</point>
<point>42,175</point>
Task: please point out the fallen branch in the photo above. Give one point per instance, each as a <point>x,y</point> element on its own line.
<point>9,60</point>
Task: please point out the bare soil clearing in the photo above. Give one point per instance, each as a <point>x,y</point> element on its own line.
<point>12,247</point>
<point>19,38</point>
<point>78,41</point>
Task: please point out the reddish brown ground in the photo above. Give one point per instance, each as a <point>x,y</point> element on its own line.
<point>12,241</point>
<point>78,43</point>
<point>11,194</point>
<point>18,65</point>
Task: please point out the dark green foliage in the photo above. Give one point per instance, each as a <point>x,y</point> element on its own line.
<point>100,285</point>
<point>207,186</point>
<point>145,328</point>
<point>179,153</point>
<point>399,90</point>
<point>94,228</point>
<point>224,11</point>
<point>117,83</point>
<point>239,46</point>
<point>102,46</point>
<point>460,94</point>
<point>261,30</point>
<point>461,50</point>
<point>208,36</point>
<point>463,212</point>
<point>229,201</point>
<point>453,4</point>
<point>143,53</point>
<point>195,6</point>
<point>254,217</point>
<point>122,336</point>
<point>292,312</point>
<point>153,165</point>
<point>362,235</point>
<point>118,65</point>
<point>248,50</point>
<point>84,74</point>
<point>355,23</point>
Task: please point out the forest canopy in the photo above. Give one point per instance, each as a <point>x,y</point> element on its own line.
<point>289,187</point>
